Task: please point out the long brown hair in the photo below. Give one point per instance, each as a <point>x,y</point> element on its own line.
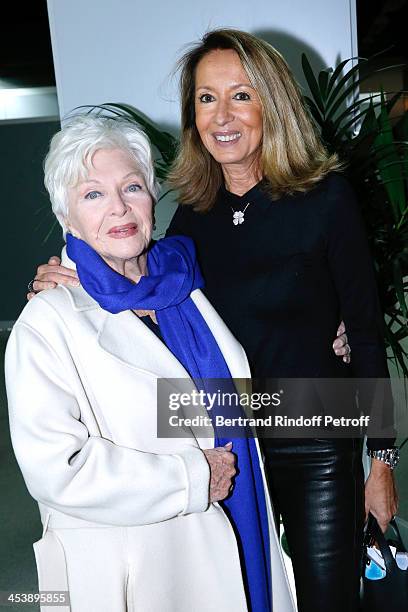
<point>292,156</point>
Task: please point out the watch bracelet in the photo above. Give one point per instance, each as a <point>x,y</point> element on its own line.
<point>389,456</point>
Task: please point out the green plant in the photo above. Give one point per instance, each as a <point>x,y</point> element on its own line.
<point>375,152</point>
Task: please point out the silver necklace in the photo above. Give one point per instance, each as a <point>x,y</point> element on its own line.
<point>238,216</point>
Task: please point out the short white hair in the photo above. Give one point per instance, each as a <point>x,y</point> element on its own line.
<point>72,148</point>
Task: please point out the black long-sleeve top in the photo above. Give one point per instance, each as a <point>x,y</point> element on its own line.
<point>284,279</point>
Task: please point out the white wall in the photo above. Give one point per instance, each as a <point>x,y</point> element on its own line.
<point>125,50</point>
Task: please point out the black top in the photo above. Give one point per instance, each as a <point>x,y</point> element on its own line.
<point>147,320</point>
<point>283,280</point>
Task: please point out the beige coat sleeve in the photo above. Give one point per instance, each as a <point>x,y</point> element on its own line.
<point>83,475</point>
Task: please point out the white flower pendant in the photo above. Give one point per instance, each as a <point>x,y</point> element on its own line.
<point>238,217</point>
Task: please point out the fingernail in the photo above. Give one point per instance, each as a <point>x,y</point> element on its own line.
<point>228,444</point>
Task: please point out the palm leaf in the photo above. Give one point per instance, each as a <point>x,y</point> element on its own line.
<point>390,173</point>
<point>313,84</point>
<point>164,142</point>
<point>323,84</point>
<point>341,92</point>
<point>377,164</point>
<point>339,87</point>
<point>314,110</point>
<point>337,71</point>
<point>355,107</point>
<point>399,287</point>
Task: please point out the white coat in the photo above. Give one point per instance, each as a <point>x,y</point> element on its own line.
<point>127,523</point>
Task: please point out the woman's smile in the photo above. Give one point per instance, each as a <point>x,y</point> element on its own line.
<point>227,138</point>
<point>123,231</point>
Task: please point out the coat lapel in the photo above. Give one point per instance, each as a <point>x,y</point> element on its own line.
<point>128,339</point>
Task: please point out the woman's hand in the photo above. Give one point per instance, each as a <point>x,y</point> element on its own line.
<point>51,274</point>
<point>222,469</point>
<point>340,345</point>
<point>381,498</point>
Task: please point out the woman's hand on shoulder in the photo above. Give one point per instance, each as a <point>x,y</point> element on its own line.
<point>222,470</point>
<point>51,274</point>
<point>340,345</point>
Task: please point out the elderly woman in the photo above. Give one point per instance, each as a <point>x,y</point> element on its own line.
<point>131,520</point>
<point>284,255</point>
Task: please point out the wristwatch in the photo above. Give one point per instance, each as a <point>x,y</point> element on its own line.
<point>390,456</point>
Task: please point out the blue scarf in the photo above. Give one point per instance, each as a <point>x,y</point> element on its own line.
<point>173,275</point>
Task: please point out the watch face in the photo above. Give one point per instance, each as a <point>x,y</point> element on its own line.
<point>395,457</point>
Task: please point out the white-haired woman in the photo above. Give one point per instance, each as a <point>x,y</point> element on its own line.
<point>131,520</point>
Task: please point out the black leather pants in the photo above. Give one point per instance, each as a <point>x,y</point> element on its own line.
<point>318,488</point>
